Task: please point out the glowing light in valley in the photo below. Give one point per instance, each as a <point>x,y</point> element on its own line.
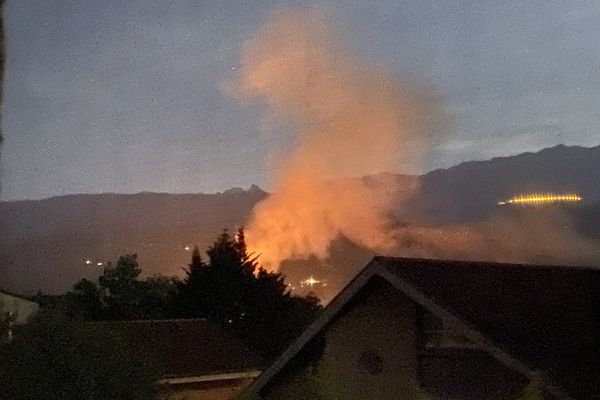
<point>541,199</point>
<point>88,262</point>
<point>312,281</point>
<point>187,248</point>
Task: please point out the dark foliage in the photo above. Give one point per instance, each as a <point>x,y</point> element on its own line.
<point>120,295</point>
<point>233,290</point>
<point>54,358</point>
<point>229,288</point>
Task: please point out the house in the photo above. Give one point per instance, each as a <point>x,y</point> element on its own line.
<point>195,358</point>
<point>413,328</point>
<point>15,309</point>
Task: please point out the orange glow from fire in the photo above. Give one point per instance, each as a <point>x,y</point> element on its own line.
<point>353,119</point>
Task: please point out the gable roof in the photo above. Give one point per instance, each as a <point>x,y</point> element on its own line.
<point>532,318</point>
<point>183,347</point>
<point>546,316</point>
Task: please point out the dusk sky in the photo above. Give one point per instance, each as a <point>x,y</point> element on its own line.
<point>127,96</point>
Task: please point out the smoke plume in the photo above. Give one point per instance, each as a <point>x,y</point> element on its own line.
<point>534,236</point>
<point>354,119</point>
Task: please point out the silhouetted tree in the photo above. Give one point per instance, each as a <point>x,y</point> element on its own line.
<point>190,299</point>
<point>156,297</point>
<point>233,290</point>
<point>86,301</point>
<point>196,267</point>
<point>120,295</point>
<point>230,288</point>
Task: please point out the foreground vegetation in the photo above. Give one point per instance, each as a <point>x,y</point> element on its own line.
<point>229,288</point>
<point>54,358</point>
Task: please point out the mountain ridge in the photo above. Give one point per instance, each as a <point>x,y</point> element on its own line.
<point>45,242</point>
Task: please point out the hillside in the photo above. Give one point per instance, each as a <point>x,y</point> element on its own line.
<point>471,190</point>
<point>45,242</point>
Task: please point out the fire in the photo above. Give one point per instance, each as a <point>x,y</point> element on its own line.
<point>541,199</point>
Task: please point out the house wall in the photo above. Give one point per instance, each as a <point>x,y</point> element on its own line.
<point>21,309</point>
<point>387,326</point>
<point>369,353</point>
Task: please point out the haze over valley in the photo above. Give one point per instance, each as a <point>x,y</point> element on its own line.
<point>47,242</point>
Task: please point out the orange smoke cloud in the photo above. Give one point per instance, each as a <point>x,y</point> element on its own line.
<point>544,237</point>
<point>355,119</point>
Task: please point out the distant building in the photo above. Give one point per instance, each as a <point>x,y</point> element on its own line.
<point>14,310</point>
<point>197,360</point>
<point>449,329</point>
